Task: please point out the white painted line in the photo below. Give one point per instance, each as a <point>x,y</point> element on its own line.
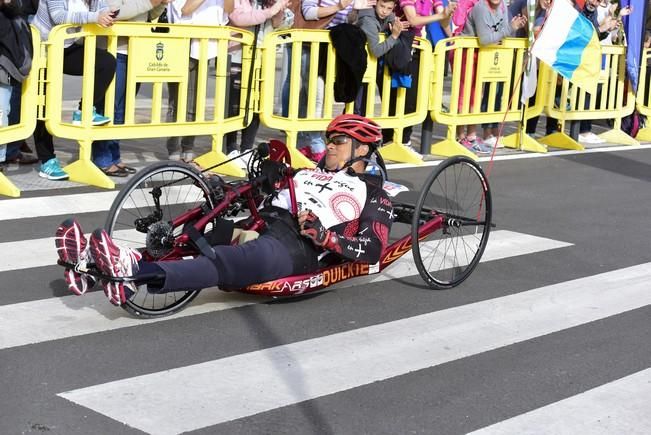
<point>618,407</point>
<point>217,391</point>
<point>70,316</point>
<point>23,208</point>
<point>523,155</point>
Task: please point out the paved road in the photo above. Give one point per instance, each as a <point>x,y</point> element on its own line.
<point>549,335</point>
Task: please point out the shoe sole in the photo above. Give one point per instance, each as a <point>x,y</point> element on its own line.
<point>69,241</point>
<point>104,251</point>
<point>94,124</point>
<point>101,250</point>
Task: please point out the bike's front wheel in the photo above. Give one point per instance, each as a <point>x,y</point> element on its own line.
<point>140,218</point>
<point>456,191</point>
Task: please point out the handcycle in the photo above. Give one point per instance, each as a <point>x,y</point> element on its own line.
<point>168,210</point>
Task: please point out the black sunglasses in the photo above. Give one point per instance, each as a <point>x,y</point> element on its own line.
<point>338,139</point>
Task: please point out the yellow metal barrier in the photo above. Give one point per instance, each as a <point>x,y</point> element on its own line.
<point>313,119</point>
<point>158,54</point>
<point>28,113</point>
<point>521,140</point>
<point>643,100</point>
<point>566,102</point>
<point>476,70</point>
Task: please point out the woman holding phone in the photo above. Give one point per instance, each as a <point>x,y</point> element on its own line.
<point>52,13</point>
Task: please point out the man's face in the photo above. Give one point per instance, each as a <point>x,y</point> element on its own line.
<point>338,151</point>
<point>591,5</point>
<point>383,8</point>
<point>495,3</point>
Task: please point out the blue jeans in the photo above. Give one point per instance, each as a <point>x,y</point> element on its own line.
<point>107,152</point>
<point>5,108</point>
<point>317,143</point>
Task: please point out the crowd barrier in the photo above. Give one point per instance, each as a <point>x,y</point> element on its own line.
<point>160,55</point>
<point>483,82</point>
<point>488,75</point>
<point>613,100</point>
<point>28,113</point>
<point>307,113</point>
<point>643,97</point>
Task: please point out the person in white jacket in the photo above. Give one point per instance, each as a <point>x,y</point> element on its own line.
<point>195,12</point>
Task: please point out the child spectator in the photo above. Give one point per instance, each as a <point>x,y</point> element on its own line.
<point>489,22</point>
<point>196,12</point>
<point>52,13</point>
<point>106,153</point>
<point>379,20</point>
<point>419,13</point>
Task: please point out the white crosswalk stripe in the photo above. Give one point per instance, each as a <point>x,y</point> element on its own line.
<point>621,406</point>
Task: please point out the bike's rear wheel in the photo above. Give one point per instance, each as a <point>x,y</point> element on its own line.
<point>458,191</point>
<point>181,188</point>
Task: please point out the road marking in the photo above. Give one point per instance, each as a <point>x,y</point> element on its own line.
<point>70,316</point>
<point>71,205</point>
<point>618,407</point>
<point>218,391</point>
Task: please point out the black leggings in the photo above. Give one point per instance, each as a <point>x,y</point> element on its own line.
<point>73,64</point>
<point>263,259</point>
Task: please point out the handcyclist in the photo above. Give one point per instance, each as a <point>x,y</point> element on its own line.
<point>342,210</point>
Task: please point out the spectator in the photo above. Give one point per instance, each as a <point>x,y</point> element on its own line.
<point>196,12</point>
<point>19,152</point>
<point>609,24</point>
<point>272,15</point>
<point>489,22</point>
<point>374,22</point>
<point>54,12</point>
<point>377,21</point>
<point>15,57</point>
<point>106,153</point>
<point>419,13</point>
<point>542,7</point>
<point>328,13</point>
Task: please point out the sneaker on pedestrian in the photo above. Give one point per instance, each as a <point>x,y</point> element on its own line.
<point>96,120</point>
<point>187,156</point>
<point>240,161</point>
<point>590,138</point>
<point>115,261</point>
<point>492,142</point>
<point>413,150</point>
<point>483,147</point>
<point>72,247</point>
<point>475,145</point>
<point>52,170</point>
<point>176,156</point>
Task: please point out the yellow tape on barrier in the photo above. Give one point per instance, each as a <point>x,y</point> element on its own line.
<point>159,55</point>
<point>306,111</point>
<point>28,113</point>
<point>613,100</point>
